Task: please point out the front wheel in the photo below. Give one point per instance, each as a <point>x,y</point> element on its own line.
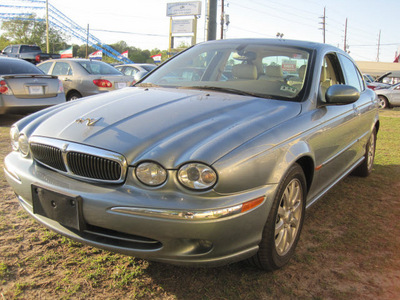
<point>285,221</point>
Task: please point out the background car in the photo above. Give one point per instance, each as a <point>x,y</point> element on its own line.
<point>24,88</point>
<point>389,97</point>
<point>204,170</point>
<point>372,84</point>
<point>84,77</point>
<point>132,69</point>
<point>389,78</point>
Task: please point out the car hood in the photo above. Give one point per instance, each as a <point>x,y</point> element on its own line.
<point>170,126</point>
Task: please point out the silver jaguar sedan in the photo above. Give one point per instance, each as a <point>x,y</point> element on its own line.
<point>212,158</point>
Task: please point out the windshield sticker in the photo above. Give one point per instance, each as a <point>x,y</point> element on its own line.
<point>288,88</point>
<point>289,66</point>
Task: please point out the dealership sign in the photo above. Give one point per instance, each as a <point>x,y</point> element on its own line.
<point>182,26</point>
<point>184,9</point>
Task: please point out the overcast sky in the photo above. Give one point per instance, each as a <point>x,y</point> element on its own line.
<point>144,24</point>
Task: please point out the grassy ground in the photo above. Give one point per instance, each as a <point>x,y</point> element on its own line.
<point>349,249</point>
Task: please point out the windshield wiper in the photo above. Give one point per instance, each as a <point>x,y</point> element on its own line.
<point>226,90</point>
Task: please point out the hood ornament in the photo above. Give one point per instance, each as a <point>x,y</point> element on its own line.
<point>89,121</point>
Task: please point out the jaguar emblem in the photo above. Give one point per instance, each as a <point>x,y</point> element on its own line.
<point>89,121</point>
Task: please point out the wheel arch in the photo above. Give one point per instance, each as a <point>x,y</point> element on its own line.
<point>73,91</point>
<point>307,164</point>
<point>377,125</point>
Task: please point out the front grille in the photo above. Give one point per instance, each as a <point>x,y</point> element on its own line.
<point>48,155</point>
<point>90,166</point>
<point>79,161</point>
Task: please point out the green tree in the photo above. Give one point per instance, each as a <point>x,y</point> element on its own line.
<point>33,31</point>
<point>4,42</point>
<point>120,46</point>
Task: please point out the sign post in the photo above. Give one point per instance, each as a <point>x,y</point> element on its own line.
<point>181,27</point>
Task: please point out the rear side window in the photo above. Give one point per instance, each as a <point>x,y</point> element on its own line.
<point>45,67</point>
<point>351,73</point>
<point>148,68</point>
<point>99,68</point>
<point>26,48</point>
<point>18,66</point>
<point>61,68</point>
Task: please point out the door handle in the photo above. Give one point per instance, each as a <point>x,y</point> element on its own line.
<point>357,112</point>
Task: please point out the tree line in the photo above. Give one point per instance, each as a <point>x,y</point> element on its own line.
<point>34,32</point>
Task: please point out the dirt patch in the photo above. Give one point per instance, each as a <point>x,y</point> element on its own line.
<point>349,249</point>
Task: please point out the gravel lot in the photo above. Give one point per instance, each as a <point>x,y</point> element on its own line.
<point>349,249</point>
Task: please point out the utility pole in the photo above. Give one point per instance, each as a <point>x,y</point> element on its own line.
<point>87,41</point>
<point>345,36</point>
<point>222,19</point>
<point>379,45</point>
<point>47,27</point>
<point>212,20</point>
<point>323,24</point>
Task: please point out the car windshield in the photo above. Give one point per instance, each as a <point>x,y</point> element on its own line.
<point>247,69</point>
<point>98,68</point>
<point>11,66</point>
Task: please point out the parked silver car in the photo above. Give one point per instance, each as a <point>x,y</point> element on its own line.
<point>25,89</point>
<point>132,69</point>
<point>389,96</point>
<point>84,77</point>
<point>204,171</point>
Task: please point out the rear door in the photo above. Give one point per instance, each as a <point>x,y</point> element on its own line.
<point>64,72</point>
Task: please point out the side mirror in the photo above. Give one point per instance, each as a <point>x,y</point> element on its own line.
<point>341,94</point>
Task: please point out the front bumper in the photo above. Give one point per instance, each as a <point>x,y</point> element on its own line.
<point>167,227</point>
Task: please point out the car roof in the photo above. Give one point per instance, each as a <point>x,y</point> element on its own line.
<point>136,64</point>
<point>76,59</point>
<point>278,42</point>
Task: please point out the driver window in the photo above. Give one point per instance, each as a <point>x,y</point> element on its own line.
<point>329,75</point>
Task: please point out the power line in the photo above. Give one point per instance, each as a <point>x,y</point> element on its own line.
<point>127,32</point>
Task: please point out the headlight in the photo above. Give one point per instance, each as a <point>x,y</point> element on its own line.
<point>23,144</point>
<point>197,176</point>
<point>14,135</point>
<point>151,173</point>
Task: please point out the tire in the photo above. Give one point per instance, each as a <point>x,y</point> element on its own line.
<point>383,102</point>
<point>365,168</point>
<point>285,221</point>
<point>73,96</point>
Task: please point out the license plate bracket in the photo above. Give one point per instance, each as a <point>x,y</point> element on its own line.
<point>63,208</point>
<point>121,85</point>
<point>36,90</point>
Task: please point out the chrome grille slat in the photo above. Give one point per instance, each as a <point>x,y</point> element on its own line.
<point>80,161</point>
<point>49,155</point>
<point>93,166</point>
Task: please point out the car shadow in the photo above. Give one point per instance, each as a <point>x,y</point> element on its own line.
<point>8,120</point>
